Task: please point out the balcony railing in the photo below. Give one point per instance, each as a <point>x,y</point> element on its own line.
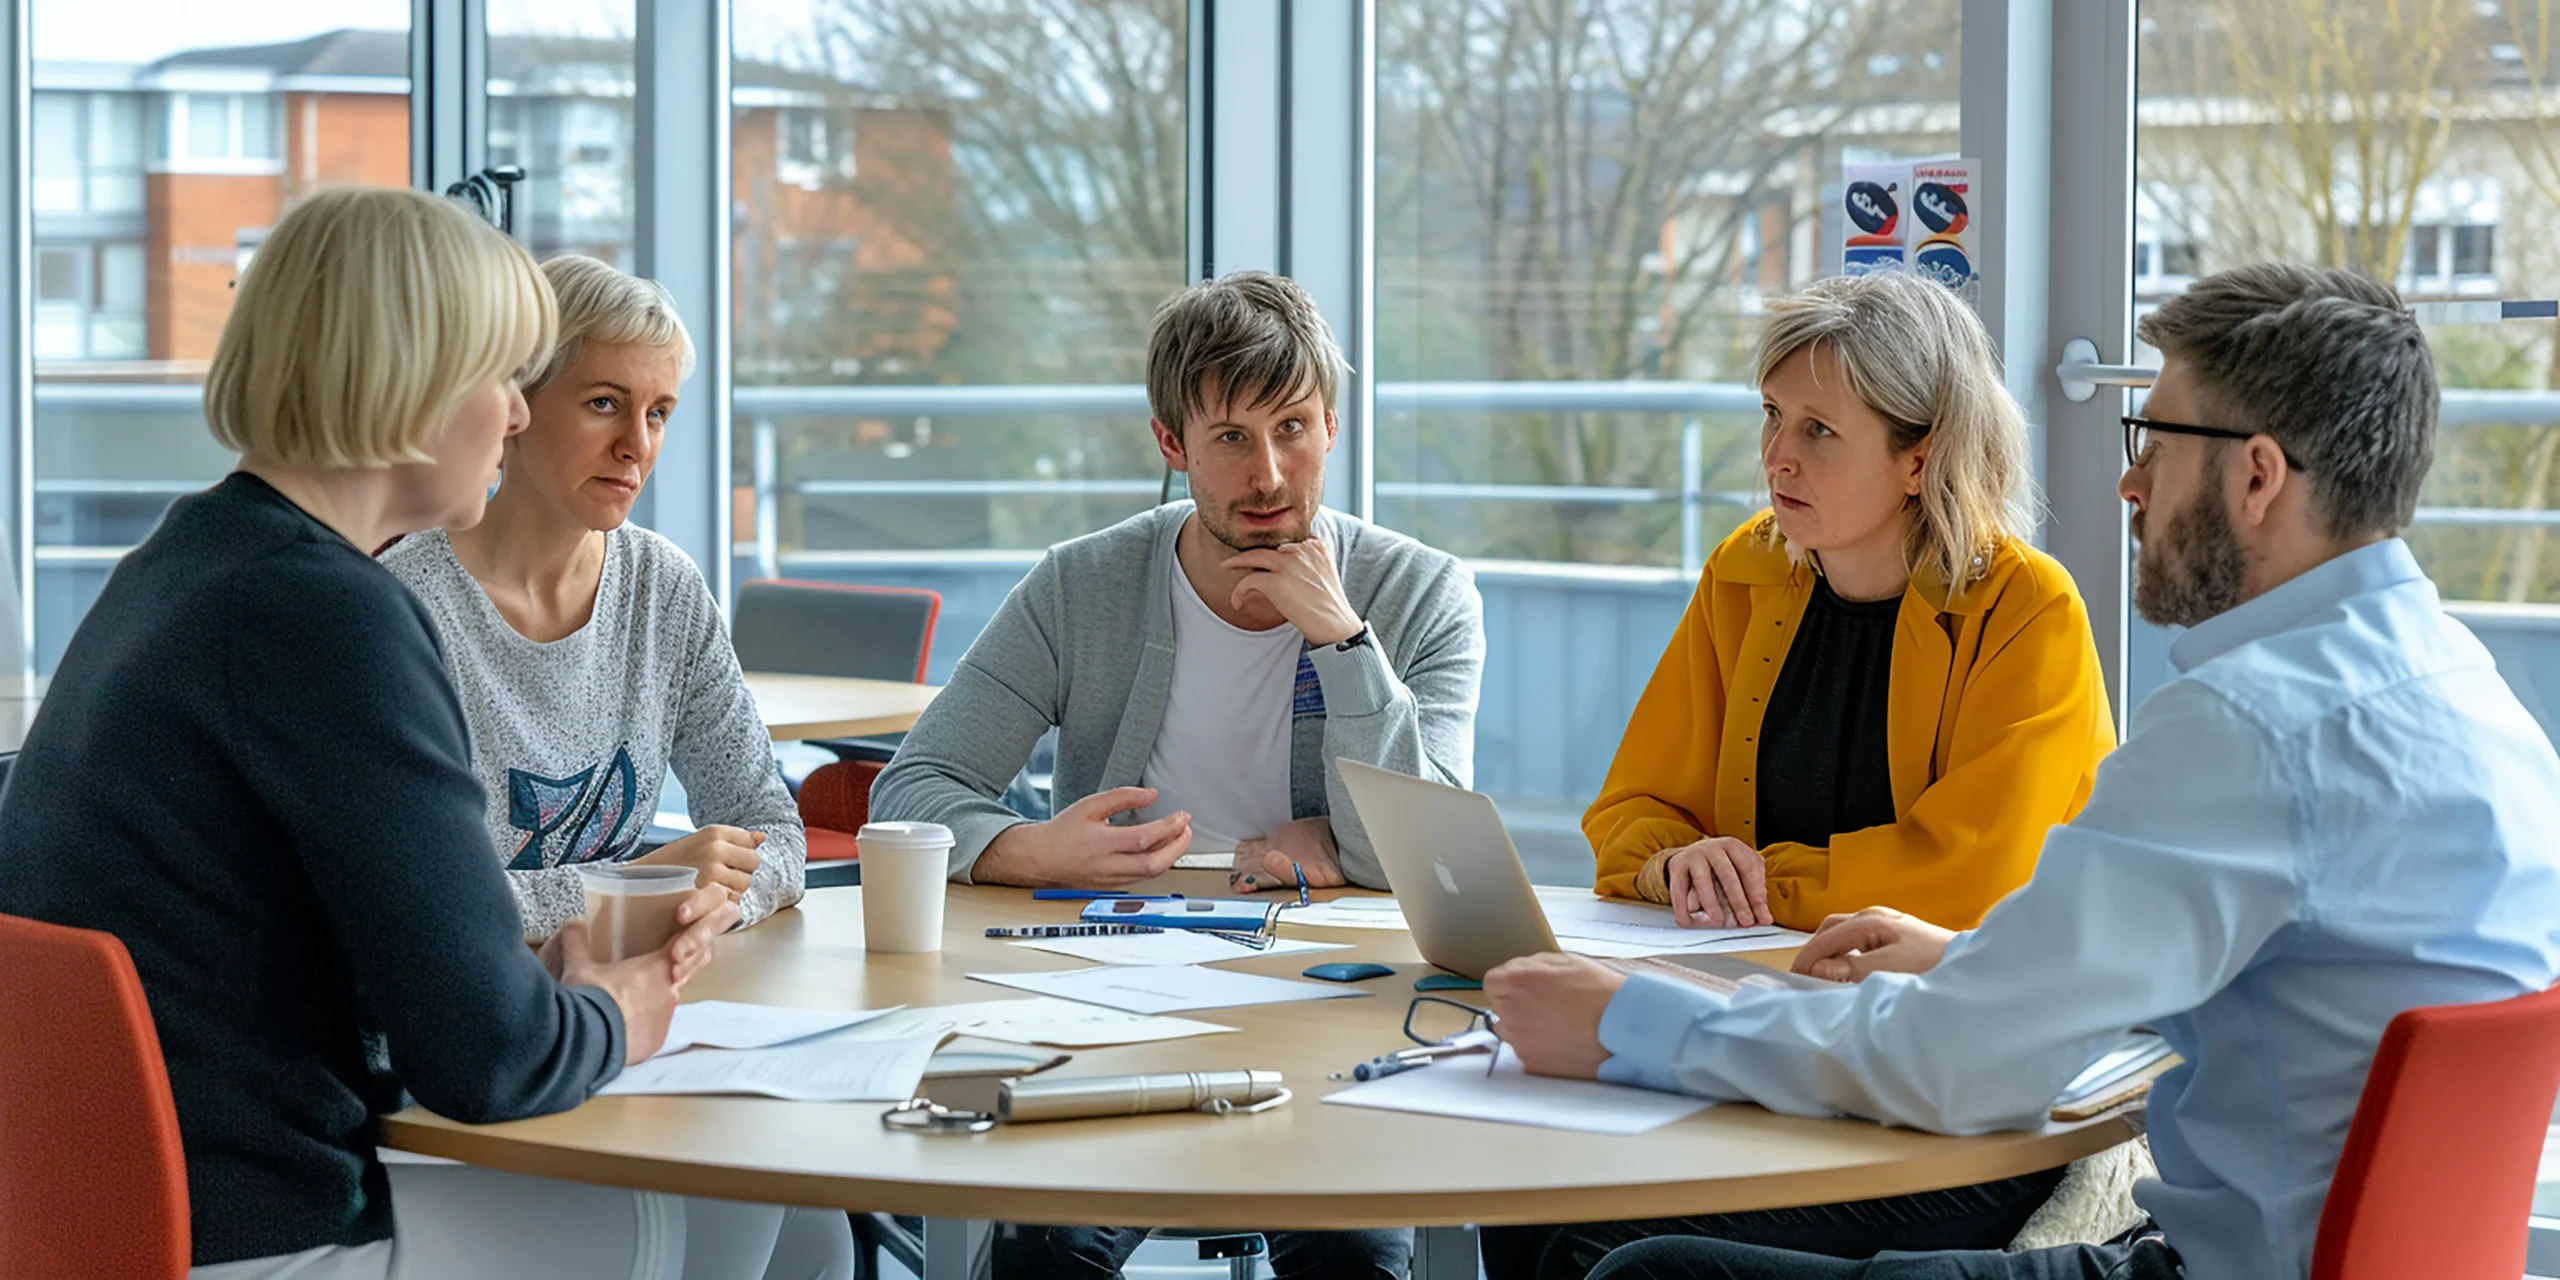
<point>765,410</point>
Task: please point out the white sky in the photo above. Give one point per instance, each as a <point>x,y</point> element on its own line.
<point>140,31</point>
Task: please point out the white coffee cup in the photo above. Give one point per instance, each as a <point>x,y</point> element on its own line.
<point>905,866</point>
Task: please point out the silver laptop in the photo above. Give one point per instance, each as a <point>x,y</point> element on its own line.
<point>1452,868</point>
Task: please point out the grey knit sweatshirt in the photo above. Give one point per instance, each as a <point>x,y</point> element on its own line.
<point>571,738</point>
<point>1085,643</point>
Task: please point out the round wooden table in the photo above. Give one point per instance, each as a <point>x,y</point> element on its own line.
<point>797,707</point>
<point>1303,1165</point>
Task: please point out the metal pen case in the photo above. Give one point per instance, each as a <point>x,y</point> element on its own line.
<point>1241,915</point>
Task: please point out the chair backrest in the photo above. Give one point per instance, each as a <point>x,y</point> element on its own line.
<point>829,629</point>
<point>93,1181</point>
<point>2437,1175</point>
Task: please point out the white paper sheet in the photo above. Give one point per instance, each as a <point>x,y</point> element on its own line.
<point>1168,988</point>
<point>1173,946</point>
<point>1209,851</point>
<point>1458,1087</point>
<point>1063,1024</point>
<point>1602,949</point>
<point>1347,913</point>
<point>727,1024</point>
<point>836,1069</point>
<point>1579,916</point>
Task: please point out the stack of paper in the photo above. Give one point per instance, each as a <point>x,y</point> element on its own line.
<point>1064,1024</point>
<point>727,1024</point>
<point>1588,924</point>
<point>1347,913</point>
<point>848,1069</point>
<point>1584,923</point>
<point>1460,1087</point>
<point>2117,1077</point>
<point>1168,988</point>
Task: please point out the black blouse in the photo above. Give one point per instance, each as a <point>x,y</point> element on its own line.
<point>1823,767</point>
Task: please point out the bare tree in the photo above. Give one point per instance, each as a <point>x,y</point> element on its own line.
<point>2310,124</point>
<point>2522,107</point>
<point>1563,185</point>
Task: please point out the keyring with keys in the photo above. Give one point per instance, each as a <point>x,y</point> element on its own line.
<point>924,1115</point>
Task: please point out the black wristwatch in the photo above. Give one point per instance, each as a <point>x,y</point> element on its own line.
<point>1354,642</point>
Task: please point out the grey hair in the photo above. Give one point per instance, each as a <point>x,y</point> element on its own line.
<point>1252,338</point>
<point>599,303</point>
<point>1912,351</point>
<point>2328,363</point>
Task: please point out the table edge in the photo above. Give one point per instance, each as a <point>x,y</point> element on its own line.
<point>1282,1211</point>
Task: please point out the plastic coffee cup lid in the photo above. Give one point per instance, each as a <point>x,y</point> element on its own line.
<point>905,835</point>
<point>624,878</point>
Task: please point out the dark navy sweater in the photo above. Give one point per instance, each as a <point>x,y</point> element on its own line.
<point>251,769</point>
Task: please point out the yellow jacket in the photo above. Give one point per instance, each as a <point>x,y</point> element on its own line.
<point>1998,718</point>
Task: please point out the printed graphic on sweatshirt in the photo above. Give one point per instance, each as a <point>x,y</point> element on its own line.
<point>586,817</point>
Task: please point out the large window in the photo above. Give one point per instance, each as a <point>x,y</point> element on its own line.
<point>167,138</point>
<point>561,89</point>
<point>953,224</point>
<point>1582,208</point>
<point>2411,143</point>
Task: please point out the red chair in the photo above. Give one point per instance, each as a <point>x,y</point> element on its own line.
<point>93,1181</point>
<point>2437,1175</point>
<point>836,629</point>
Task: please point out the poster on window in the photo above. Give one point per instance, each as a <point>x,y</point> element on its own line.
<point>1916,216</point>
<point>1942,229</point>
<point>1872,196</point>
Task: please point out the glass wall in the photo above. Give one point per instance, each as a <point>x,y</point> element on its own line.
<point>167,139</point>
<point>561,96</point>
<point>949,219</point>
<point>1602,194</point>
<point>2411,143</point>
<point>1608,190</point>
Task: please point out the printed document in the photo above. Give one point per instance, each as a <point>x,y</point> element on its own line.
<point>1168,988</point>
<point>850,1069</point>
<point>1458,1087</point>
<point>727,1024</point>
<point>1062,1024</point>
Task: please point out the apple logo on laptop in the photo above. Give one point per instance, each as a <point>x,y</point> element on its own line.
<point>1447,881</point>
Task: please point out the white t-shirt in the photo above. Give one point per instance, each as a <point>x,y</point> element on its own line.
<point>1223,753</point>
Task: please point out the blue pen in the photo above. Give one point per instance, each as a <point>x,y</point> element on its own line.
<point>1089,895</point>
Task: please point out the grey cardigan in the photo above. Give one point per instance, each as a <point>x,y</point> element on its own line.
<point>1085,643</point>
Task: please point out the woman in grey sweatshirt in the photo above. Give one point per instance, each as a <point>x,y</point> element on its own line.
<point>588,652</point>
<point>589,657</point>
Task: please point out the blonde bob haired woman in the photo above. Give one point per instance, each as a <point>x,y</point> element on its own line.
<point>303,881</point>
<point>1880,694</point>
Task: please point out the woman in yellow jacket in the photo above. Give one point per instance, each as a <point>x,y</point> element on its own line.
<point>1880,694</point>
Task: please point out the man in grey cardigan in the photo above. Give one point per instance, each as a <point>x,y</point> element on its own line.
<point>1204,663</point>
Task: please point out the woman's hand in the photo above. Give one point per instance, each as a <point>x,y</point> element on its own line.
<point>645,987</point>
<point>723,856</point>
<point>1717,883</point>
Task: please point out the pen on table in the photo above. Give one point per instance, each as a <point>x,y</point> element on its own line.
<point>1402,1060</point>
<point>1071,930</point>
<point>1089,895</point>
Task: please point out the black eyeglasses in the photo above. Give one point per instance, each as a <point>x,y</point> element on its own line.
<point>2138,432</point>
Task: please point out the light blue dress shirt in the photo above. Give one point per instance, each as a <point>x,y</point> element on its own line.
<point>2337,811</point>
